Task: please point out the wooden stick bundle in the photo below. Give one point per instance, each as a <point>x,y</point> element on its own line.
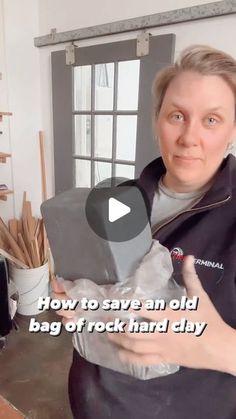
<point>25,239</point>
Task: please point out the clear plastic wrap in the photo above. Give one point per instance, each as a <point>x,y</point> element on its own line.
<point>153,279</point>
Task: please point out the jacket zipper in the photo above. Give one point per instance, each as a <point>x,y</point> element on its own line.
<point>191,210</point>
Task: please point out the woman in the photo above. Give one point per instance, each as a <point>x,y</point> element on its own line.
<point>191,193</point>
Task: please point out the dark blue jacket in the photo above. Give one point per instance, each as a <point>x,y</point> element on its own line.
<point>207,231</point>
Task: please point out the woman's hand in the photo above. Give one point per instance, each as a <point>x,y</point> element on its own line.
<point>59,294</point>
<point>214,349</point>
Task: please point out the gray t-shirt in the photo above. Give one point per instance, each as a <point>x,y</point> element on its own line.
<point>167,204</point>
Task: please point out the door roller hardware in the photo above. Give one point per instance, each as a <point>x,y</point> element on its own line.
<point>142,46</point>
<point>70,54</point>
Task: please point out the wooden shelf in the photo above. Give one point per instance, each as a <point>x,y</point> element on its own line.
<point>3,157</point>
<point>4,114</point>
<point>3,194</point>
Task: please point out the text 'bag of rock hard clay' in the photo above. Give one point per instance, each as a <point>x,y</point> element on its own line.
<point>91,267</point>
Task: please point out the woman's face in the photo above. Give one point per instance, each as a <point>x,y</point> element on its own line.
<point>194,127</point>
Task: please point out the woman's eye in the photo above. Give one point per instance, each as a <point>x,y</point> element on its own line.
<point>211,120</point>
<point>177,117</point>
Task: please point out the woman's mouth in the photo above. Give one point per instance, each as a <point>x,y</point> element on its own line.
<point>187,158</point>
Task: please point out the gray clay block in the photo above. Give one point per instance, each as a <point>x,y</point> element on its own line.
<point>80,253</point>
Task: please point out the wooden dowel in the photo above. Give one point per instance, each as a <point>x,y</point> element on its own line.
<point>2,243</point>
<point>30,220</point>
<point>26,234</point>
<point>13,259</point>
<point>12,225</point>
<point>37,227</point>
<point>22,243</point>
<point>33,254</point>
<point>23,204</point>
<point>40,235</point>
<point>34,223</point>
<point>12,242</point>
<point>19,226</point>
<point>36,249</point>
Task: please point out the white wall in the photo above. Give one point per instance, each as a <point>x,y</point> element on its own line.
<point>26,87</point>
<point>6,208</point>
<point>21,82</point>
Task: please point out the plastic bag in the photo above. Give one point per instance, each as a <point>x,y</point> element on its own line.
<point>152,280</point>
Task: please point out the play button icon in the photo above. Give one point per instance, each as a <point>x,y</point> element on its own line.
<point>116,213</point>
<point>117,210</point>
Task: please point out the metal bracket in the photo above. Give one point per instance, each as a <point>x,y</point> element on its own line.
<point>142,47</point>
<point>70,54</point>
<point>53,33</point>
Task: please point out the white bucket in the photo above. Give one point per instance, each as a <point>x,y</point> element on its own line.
<point>31,284</point>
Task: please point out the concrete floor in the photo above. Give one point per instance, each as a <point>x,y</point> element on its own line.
<point>34,370</point>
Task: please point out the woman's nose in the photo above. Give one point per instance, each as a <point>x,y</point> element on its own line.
<point>189,135</point>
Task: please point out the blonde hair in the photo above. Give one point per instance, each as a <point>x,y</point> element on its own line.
<point>202,59</point>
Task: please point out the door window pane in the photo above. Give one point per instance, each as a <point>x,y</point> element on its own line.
<point>123,170</point>
<point>82,88</point>
<point>128,85</point>
<point>126,137</point>
<point>102,171</point>
<point>82,135</point>
<point>104,86</point>
<point>82,173</point>
<point>103,135</point>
